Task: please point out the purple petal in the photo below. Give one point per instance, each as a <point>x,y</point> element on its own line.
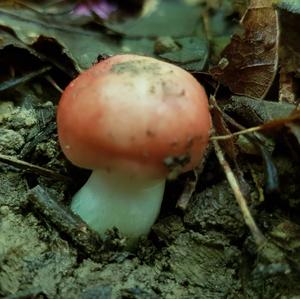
<point>101,8</point>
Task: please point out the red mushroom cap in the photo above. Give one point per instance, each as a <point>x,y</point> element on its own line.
<point>136,114</point>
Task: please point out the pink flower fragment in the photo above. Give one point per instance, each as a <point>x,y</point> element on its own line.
<point>102,8</point>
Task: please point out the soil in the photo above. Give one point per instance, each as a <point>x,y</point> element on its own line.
<point>203,252</point>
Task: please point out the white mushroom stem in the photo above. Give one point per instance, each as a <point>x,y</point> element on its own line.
<point>110,199</point>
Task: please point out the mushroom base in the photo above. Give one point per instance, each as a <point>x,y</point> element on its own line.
<point>110,199</point>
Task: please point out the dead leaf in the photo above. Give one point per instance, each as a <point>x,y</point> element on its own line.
<point>192,53</point>
<point>252,112</point>
<point>82,46</point>
<point>34,23</point>
<point>221,129</point>
<point>249,63</point>
<point>168,18</point>
<point>7,39</point>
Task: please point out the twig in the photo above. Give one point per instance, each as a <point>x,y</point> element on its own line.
<point>20,80</point>
<point>189,189</point>
<point>269,169</point>
<point>87,240</point>
<point>54,84</point>
<point>256,233</point>
<point>275,123</point>
<point>46,129</point>
<point>32,168</point>
<point>191,183</point>
<point>242,132</point>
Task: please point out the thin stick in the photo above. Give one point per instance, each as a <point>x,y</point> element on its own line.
<point>53,83</point>
<point>88,241</point>
<point>32,168</point>
<point>275,123</point>
<point>189,189</point>
<point>24,78</point>
<point>256,233</point>
<point>242,132</point>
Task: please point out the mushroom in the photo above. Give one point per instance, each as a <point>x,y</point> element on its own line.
<point>133,120</point>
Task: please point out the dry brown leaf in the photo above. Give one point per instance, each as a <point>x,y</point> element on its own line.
<point>221,129</point>
<point>249,63</point>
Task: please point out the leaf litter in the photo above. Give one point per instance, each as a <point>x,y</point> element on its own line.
<point>247,55</point>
